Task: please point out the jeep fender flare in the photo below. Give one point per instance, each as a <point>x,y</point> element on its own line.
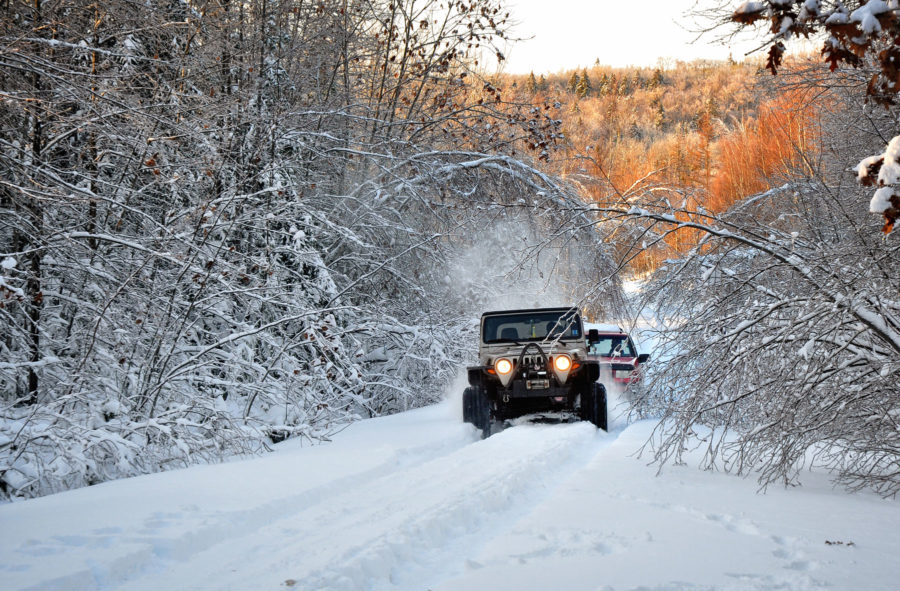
<point>476,374</point>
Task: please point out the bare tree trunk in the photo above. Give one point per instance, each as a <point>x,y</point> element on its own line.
<point>34,295</point>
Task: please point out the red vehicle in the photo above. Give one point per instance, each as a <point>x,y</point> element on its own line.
<point>613,348</point>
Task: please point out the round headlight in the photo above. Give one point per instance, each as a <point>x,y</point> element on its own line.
<point>503,366</point>
<point>562,363</point>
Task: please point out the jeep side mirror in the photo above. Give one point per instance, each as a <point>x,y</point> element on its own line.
<point>643,357</point>
<point>593,336</point>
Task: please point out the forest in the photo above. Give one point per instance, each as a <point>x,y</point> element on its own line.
<point>227,223</point>
<point>714,132</point>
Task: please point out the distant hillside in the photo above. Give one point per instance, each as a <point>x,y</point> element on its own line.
<point>709,131</point>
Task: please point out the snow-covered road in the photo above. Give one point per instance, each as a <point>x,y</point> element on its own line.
<point>416,501</point>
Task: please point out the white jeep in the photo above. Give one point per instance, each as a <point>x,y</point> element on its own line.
<point>533,361</point>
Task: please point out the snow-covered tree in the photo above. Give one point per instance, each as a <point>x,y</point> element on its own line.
<point>860,34</point>
<point>230,223</point>
<point>780,329</point>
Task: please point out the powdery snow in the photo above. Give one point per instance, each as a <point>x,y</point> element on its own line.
<point>750,8</point>
<point>888,175</point>
<point>416,501</point>
<point>890,170</point>
<point>867,16</point>
<point>881,200</point>
<point>839,17</point>
<point>615,525</point>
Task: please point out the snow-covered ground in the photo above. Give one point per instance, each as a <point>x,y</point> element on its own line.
<point>416,501</point>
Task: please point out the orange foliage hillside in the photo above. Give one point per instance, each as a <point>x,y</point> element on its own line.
<point>706,131</point>
<point>779,142</point>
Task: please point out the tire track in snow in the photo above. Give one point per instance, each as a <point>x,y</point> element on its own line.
<point>155,548</point>
<point>401,530</point>
<point>485,488</point>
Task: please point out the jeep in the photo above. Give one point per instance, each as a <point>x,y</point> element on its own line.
<point>614,350</point>
<point>533,361</point>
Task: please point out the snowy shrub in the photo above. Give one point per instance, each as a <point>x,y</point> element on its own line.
<point>782,337</point>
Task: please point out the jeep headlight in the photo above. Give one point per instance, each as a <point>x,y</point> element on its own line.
<point>503,366</point>
<point>562,365</point>
<point>504,370</point>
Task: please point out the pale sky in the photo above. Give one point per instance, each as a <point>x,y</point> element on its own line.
<point>574,33</point>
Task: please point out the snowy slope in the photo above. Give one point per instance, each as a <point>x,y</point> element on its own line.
<point>416,501</point>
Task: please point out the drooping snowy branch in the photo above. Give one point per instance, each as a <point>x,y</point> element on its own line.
<point>779,334</point>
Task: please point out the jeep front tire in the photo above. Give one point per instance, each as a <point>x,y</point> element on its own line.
<point>593,405</point>
<point>477,409</point>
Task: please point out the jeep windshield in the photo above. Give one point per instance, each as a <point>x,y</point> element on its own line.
<point>532,326</point>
